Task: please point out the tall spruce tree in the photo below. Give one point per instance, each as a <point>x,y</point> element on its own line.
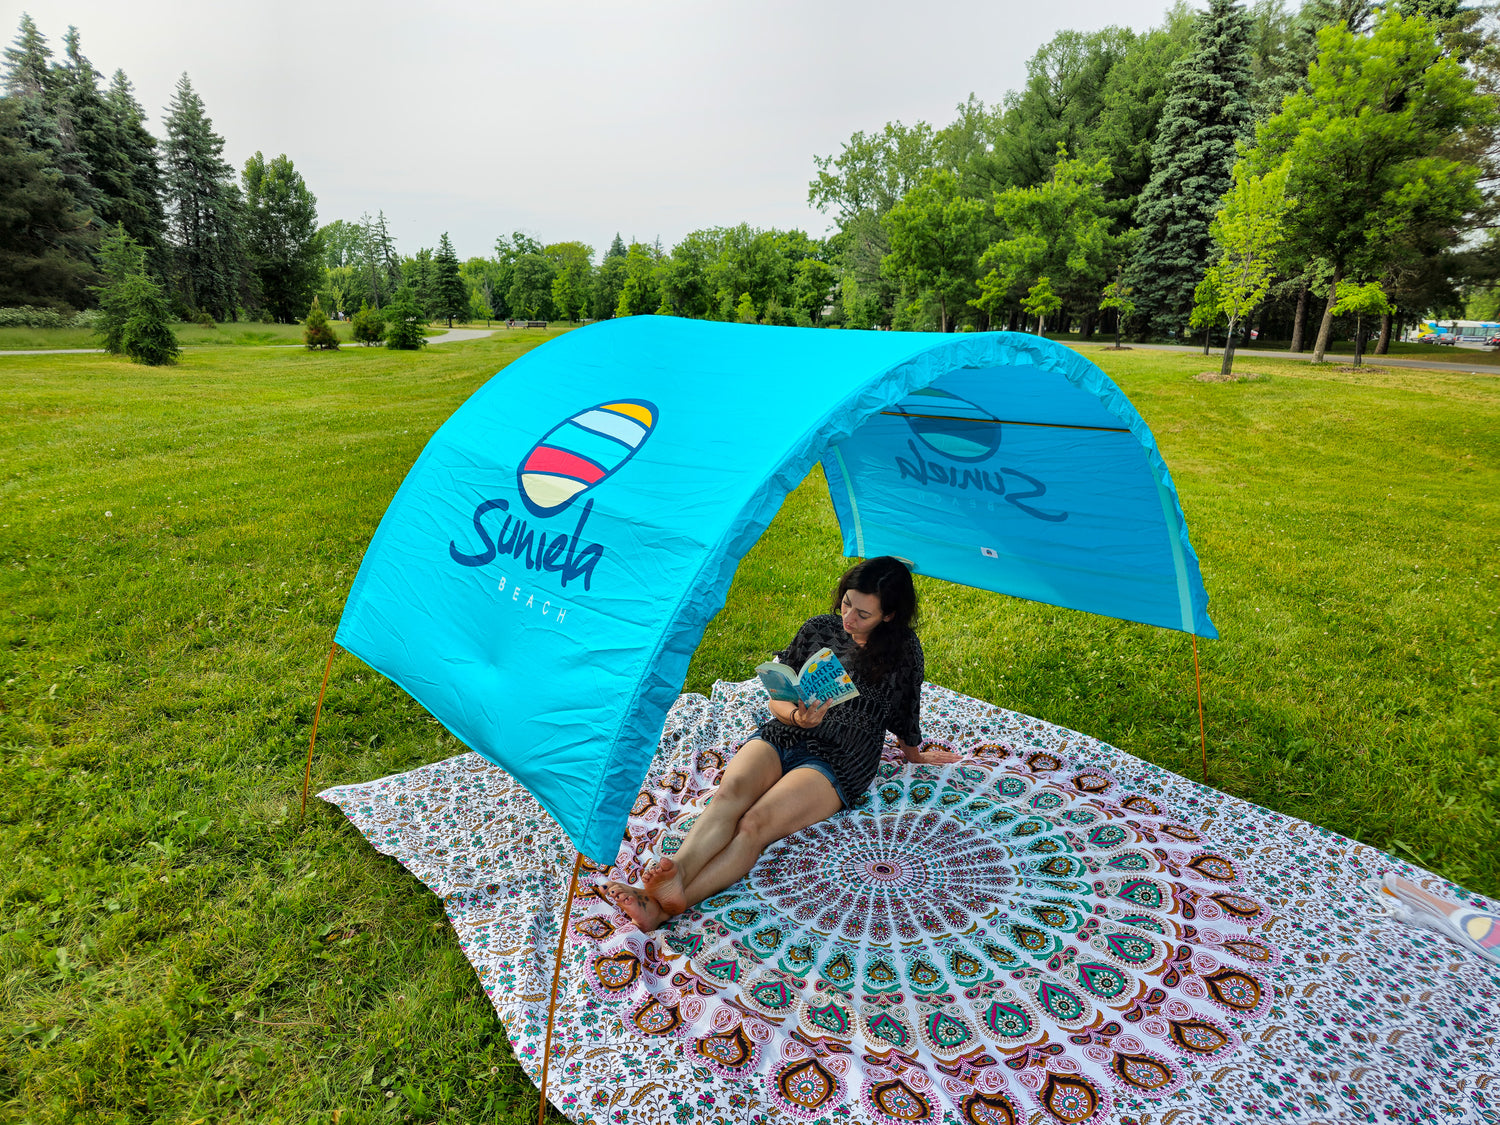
<point>44,238</point>
<point>205,208</point>
<point>138,204</point>
<point>1207,111</point>
<point>450,294</point>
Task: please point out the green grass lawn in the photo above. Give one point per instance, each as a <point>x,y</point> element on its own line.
<point>177,544</point>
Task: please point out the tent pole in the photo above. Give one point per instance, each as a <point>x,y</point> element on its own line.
<point>562,933</point>
<point>317,713</point>
<point>1202,730</point>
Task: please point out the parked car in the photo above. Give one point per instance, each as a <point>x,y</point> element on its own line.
<point>1448,338</point>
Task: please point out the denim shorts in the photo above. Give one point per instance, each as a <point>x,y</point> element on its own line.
<point>801,757</point>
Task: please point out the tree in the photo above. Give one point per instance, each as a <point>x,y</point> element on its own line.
<point>1121,297</point>
<point>530,296</point>
<point>120,258</point>
<point>1206,113</point>
<point>1378,145</point>
<point>140,207</point>
<point>1058,229</point>
<point>405,321</point>
<point>317,332</point>
<point>381,263</point>
<point>282,242</point>
<point>1362,301</point>
<point>1039,301</point>
<point>44,238</point>
<point>204,208</point>
<point>450,294</point>
<point>1208,312</point>
<point>572,284</point>
<point>417,275</point>
<point>368,326</point>
<point>147,335</point>
<point>1247,231</point>
<point>639,293</point>
<point>935,235</point>
<point>343,244</point>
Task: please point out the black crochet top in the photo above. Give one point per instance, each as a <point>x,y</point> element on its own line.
<point>850,736</point>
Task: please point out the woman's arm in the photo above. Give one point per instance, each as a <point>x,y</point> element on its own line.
<point>910,713</point>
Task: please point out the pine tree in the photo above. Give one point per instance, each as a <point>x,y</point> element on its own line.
<point>450,294</point>
<point>1207,111</point>
<point>205,208</point>
<point>316,332</point>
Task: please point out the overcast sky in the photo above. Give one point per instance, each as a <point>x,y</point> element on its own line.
<point>653,118</point>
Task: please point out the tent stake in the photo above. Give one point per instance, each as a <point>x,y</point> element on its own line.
<point>1202,730</point>
<point>318,711</point>
<point>562,933</point>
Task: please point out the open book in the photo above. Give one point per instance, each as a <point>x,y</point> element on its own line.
<point>823,678</point>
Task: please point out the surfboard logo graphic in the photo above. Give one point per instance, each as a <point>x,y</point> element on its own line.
<point>582,451</point>
<point>952,426</point>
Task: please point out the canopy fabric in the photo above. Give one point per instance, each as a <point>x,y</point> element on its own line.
<point>547,568</point>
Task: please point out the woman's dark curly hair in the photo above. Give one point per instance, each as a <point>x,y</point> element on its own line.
<point>888,579</point>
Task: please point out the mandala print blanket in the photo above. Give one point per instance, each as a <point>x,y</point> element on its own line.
<point>1049,931</point>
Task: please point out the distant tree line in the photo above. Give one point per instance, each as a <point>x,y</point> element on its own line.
<point>1235,169</point>
<point>1094,193</point>
<point>79,166</point>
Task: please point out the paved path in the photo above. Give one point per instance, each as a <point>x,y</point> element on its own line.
<point>53,351</point>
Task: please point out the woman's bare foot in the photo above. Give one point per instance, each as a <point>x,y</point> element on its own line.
<point>664,884</point>
<point>635,905</point>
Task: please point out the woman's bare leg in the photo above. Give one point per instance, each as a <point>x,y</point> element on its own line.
<point>801,798</point>
<point>753,771</point>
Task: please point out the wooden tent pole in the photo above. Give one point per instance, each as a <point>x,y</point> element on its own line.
<point>317,713</point>
<point>562,933</point>
<point>1202,730</point>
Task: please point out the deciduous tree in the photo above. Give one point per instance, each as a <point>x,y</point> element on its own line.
<point>282,241</point>
<point>1247,232</point>
<point>935,235</point>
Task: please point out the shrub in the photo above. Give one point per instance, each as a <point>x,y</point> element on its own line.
<point>368,325</point>
<point>316,332</point>
<point>30,316</point>
<point>205,319</point>
<point>89,318</point>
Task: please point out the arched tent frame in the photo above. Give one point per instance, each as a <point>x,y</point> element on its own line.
<point>741,413</point>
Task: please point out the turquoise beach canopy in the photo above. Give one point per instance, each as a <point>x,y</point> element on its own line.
<point>547,568</point>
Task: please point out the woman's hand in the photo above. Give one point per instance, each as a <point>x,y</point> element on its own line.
<point>918,756</point>
<point>805,716</point>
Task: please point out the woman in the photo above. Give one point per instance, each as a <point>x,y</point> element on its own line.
<point>807,762</point>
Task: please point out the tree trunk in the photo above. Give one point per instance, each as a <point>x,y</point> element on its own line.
<point>1325,330</point>
<point>942,314</point>
<point>1384,347</point>
<point>1039,323</point>
<point>1086,327</point>
<point>1299,324</point>
<point>1206,333</point>
<point>1118,319</point>
<point>1227,367</point>
<point>1359,339</point>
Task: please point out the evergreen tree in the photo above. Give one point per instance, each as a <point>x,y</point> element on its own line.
<point>1207,111</point>
<point>450,294</point>
<point>120,258</point>
<point>44,239</point>
<point>316,331</point>
<point>368,326</point>
<point>147,336</point>
<point>282,243</point>
<point>137,197</point>
<point>205,208</point>
<point>405,321</point>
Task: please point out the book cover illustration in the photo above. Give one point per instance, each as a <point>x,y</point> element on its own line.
<point>823,677</point>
